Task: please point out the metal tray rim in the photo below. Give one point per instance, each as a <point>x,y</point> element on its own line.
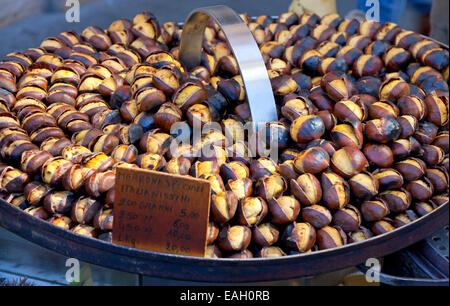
<point>16,220</point>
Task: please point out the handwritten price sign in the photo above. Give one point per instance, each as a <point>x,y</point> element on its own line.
<point>161,212</point>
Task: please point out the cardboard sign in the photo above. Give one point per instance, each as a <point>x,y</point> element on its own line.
<point>161,212</point>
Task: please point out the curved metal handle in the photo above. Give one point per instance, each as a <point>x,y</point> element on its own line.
<point>251,64</point>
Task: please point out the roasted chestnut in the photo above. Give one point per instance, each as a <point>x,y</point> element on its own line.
<point>307,189</point>
<point>307,128</point>
<point>317,215</point>
<point>329,237</point>
<point>313,160</point>
<point>299,236</point>
<point>348,161</point>
<point>234,238</point>
<point>398,200</point>
<point>335,191</point>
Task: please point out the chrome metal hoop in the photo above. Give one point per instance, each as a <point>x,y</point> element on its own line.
<point>246,51</point>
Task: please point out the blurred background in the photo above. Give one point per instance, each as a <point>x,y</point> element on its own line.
<point>25,23</point>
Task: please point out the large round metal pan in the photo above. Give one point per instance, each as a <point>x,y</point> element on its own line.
<point>215,270</point>
<point>188,268</point>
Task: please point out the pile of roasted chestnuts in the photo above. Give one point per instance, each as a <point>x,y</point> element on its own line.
<point>362,134</point>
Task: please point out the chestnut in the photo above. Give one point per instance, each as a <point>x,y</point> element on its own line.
<point>380,109</point>
<point>445,164</point>
<point>223,206</point>
<point>381,227</point>
<point>167,115</point>
<point>331,64</point>
<point>439,178</point>
<point>420,190</point>
<point>432,155</point>
<point>398,200</point>
<point>404,218</point>
<point>359,41</point>
<point>424,208</point>
<point>349,54</point>
<point>198,114</point>
<point>402,148</point>
<point>75,177</point>
<point>328,146</point>
<point>335,191</point>
<point>61,221</point>
<point>84,210</point>
<point>283,85</point>
<point>59,202</point>
<point>442,141</point>
<point>263,167</point>
<point>348,161</point>
<point>379,155</point>
<point>348,218</point>
<point>388,32</point>
<point>233,130</point>
<point>271,187</point>
<point>406,39</point>
<point>408,125</point>
<point>54,169</point>
<point>188,94</point>
<point>411,168</point>
<point>367,65</point>
<point>99,162</point>
<point>426,132</point>
<point>329,237</point>
<point>13,180</point>
<point>393,88</point>
<point>440,199</point>
<point>388,178</point>
<point>350,110</point>
<point>288,154</point>
<point>204,168</point>
<point>125,153</point>
<point>284,209</point>
<point>155,143</point>
<point>338,88</point>
<point>321,100</point>
<point>317,215</point>
<point>265,234</point>
<point>313,160</point>
<point>234,238</point>
<point>178,165</point>
<point>364,185</point>
<point>270,252</point>
<point>35,192</point>
<point>307,189</point>
<point>359,235</point>
<point>348,134</point>
<point>85,230</point>
<point>396,58</point>
<point>307,128</point>
<point>33,160</point>
<point>99,183</point>
<point>234,171</point>
<point>299,237</point>
<point>383,130</point>
<point>151,161</point>
<point>37,212</point>
<point>242,188</point>
<point>374,210</point>
<point>104,218</point>
<point>413,106</point>
<point>437,109</point>
<point>436,58</point>
<point>213,251</point>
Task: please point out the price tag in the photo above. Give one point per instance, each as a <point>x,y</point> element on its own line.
<point>161,212</point>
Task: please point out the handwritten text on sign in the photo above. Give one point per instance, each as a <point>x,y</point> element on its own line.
<point>161,212</point>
